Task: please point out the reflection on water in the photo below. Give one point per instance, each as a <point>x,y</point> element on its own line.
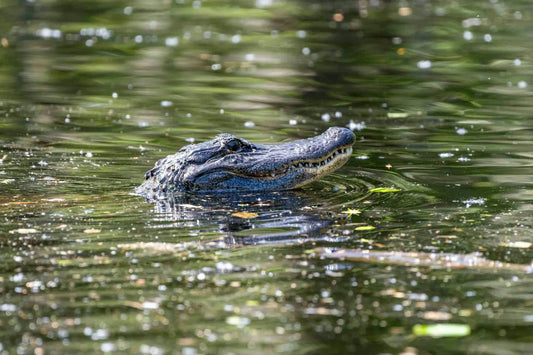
<point>244,218</point>
<point>439,96</point>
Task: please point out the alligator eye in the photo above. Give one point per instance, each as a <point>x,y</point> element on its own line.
<point>233,146</point>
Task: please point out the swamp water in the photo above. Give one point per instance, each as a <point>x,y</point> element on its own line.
<point>420,244</point>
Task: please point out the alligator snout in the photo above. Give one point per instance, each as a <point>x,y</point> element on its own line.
<point>230,163</point>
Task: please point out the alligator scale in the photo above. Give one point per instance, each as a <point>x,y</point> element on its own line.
<point>230,163</point>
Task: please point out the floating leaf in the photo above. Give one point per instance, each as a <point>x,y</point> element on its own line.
<point>523,245</point>
<point>364,240</point>
<point>245,215</point>
<point>365,228</point>
<point>240,322</point>
<point>446,236</point>
<point>384,189</point>
<point>53,199</point>
<point>435,315</point>
<point>397,115</point>
<point>64,262</point>
<point>92,231</point>
<point>22,202</point>
<point>24,231</point>
<point>352,211</point>
<point>441,330</point>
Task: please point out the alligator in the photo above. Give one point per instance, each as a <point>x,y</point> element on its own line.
<point>229,163</point>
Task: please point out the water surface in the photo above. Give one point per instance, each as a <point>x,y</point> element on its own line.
<point>429,223</point>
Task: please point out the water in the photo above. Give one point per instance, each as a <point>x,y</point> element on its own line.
<point>428,224</point>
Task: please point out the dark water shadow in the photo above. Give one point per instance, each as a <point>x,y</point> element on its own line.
<point>246,218</point>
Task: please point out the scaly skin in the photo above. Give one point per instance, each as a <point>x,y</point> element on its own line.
<point>229,163</point>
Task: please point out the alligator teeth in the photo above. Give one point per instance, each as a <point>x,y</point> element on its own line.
<point>321,163</point>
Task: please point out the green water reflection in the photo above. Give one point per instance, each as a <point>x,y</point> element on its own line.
<point>92,93</point>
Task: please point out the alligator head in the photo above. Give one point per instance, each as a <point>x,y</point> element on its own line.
<point>230,163</point>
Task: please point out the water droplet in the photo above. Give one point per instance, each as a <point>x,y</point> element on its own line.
<point>263,3</point>
<point>150,305</point>
<point>424,64</point>
<point>469,22</point>
<point>171,41</point>
<point>108,347</point>
<point>356,126</point>
<point>461,131</point>
<point>301,34</point>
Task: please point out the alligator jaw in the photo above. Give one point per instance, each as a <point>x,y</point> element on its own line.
<point>317,167</point>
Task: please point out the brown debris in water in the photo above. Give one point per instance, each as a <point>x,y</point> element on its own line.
<point>412,258</point>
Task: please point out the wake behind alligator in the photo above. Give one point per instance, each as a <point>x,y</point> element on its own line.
<point>230,163</point>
